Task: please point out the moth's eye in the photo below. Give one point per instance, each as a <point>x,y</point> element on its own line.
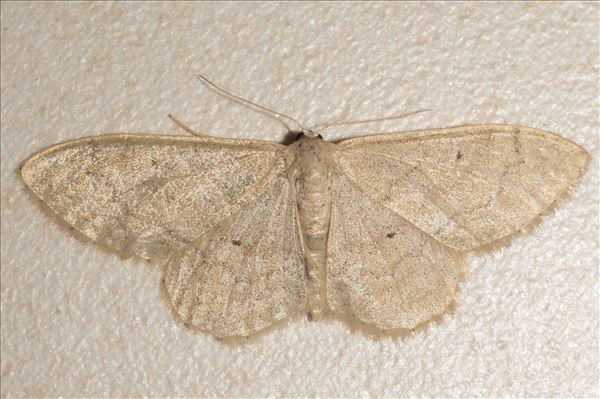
<point>319,136</point>
<point>299,136</point>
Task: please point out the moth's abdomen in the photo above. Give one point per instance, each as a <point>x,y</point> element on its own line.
<point>312,170</point>
<point>314,202</point>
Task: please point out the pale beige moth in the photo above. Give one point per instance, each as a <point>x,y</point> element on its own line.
<point>373,229</point>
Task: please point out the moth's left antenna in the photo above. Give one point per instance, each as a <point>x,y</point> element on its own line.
<point>270,112</point>
<point>186,127</point>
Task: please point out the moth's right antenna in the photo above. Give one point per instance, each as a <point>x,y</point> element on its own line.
<point>322,126</point>
<point>267,111</point>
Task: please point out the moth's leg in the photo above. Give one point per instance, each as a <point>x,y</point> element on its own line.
<point>186,128</point>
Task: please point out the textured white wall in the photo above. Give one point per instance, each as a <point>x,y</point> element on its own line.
<point>79,320</point>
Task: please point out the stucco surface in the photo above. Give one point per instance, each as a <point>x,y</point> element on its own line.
<point>78,320</point>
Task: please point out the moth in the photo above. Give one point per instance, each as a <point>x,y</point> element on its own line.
<point>376,229</point>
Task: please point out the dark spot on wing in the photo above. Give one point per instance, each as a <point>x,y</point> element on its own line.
<point>459,155</point>
<point>237,243</point>
<point>391,234</point>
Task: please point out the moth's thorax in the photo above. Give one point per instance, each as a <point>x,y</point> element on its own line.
<point>311,170</point>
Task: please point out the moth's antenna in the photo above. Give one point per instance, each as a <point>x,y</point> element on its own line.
<point>322,126</point>
<point>270,112</point>
<point>186,127</point>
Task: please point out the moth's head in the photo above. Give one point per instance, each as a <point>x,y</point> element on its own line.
<point>307,134</point>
